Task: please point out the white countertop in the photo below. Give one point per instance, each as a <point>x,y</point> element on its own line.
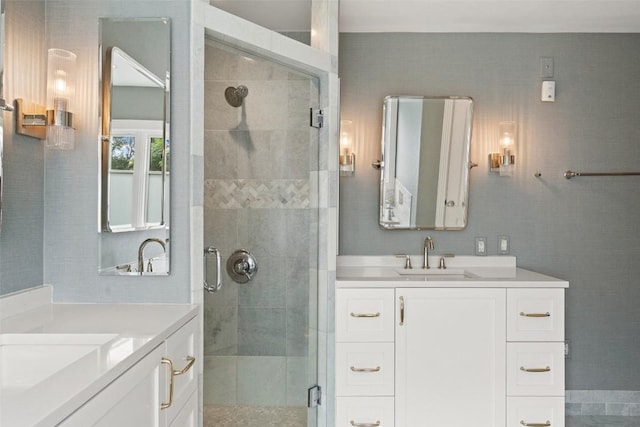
<point>469,271</point>
<point>130,332</point>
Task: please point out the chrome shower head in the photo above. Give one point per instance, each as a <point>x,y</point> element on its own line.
<point>235,95</point>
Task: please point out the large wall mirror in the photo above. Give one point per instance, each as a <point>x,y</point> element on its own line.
<point>425,163</point>
<point>135,140</point>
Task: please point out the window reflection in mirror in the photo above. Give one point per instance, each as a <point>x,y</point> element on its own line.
<point>136,185</point>
<point>425,168</point>
<point>134,164</point>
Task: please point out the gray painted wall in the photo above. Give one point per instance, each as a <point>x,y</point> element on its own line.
<point>583,230</point>
<point>50,205</point>
<point>21,251</point>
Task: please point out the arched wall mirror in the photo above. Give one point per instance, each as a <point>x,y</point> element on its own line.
<point>134,144</point>
<point>424,181</point>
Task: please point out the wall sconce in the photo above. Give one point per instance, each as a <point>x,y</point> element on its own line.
<point>504,162</point>
<point>347,157</point>
<point>55,123</point>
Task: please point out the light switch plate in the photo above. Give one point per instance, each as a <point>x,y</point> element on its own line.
<point>546,67</point>
<point>504,246</point>
<point>481,246</point>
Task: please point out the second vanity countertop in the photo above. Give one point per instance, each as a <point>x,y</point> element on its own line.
<point>465,271</point>
<point>122,333</point>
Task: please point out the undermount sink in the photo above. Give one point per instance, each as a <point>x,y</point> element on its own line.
<point>32,360</point>
<point>431,272</point>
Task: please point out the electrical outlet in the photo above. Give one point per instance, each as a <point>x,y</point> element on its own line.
<point>567,355</point>
<point>481,246</point>
<point>503,245</point>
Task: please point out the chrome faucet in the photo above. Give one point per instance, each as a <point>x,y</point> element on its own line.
<point>141,251</point>
<point>428,245</point>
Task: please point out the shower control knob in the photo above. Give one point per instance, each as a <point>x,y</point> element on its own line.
<point>241,266</point>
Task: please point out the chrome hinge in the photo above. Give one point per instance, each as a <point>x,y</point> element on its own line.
<point>316,119</point>
<point>314,396</point>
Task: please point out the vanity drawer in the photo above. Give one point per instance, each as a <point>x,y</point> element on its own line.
<point>365,411</point>
<point>364,315</point>
<point>535,411</point>
<point>365,369</point>
<point>535,369</point>
<point>181,349</point>
<point>535,314</point>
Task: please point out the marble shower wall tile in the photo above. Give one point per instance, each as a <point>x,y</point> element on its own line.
<point>619,403</point>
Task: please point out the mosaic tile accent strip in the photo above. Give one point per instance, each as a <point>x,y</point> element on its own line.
<point>258,194</point>
<point>254,416</point>
<point>620,403</point>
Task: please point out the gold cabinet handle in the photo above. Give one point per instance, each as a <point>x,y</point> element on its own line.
<point>547,314</point>
<point>547,424</point>
<point>168,362</point>
<point>365,314</point>
<point>401,311</point>
<point>172,373</point>
<point>190,361</point>
<point>355,424</point>
<point>376,369</point>
<point>545,369</point>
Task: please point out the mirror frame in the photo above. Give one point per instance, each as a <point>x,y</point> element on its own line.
<point>106,136</point>
<point>389,126</point>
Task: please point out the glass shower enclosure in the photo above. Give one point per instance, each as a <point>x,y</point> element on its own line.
<point>261,197</point>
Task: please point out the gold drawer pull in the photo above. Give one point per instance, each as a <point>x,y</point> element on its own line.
<point>547,314</point>
<point>376,369</point>
<point>547,424</point>
<point>191,361</point>
<point>172,373</point>
<point>365,314</point>
<point>355,424</point>
<point>546,369</point>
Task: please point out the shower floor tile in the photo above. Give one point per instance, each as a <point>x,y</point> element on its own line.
<point>254,416</point>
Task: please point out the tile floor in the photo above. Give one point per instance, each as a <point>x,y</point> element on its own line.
<point>254,416</point>
<point>280,416</point>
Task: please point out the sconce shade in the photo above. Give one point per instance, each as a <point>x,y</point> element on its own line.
<point>347,156</point>
<point>61,70</point>
<point>504,162</point>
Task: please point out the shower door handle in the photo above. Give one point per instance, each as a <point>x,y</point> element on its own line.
<point>210,250</point>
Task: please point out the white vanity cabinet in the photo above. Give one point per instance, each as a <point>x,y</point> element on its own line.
<point>450,357</point>
<point>178,404</point>
<point>365,357</point>
<point>535,357</point>
<point>481,353</point>
<point>157,391</point>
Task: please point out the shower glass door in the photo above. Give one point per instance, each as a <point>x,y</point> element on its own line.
<point>261,196</point>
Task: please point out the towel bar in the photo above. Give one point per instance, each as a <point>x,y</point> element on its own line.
<point>571,174</point>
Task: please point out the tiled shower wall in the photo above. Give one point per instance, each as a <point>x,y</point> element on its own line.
<point>260,196</point>
<point>603,403</point>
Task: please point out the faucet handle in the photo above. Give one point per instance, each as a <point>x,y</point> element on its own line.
<point>442,265</point>
<point>407,260</point>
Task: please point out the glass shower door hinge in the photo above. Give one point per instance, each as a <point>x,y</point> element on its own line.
<point>314,396</point>
<point>316,119</point>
